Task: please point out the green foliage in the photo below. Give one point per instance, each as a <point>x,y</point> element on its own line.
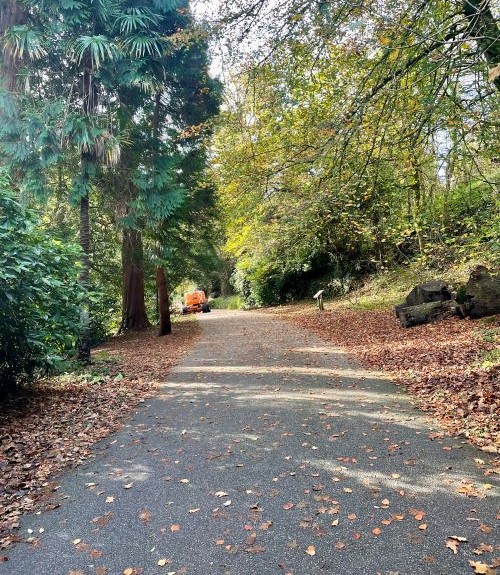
<point>315,194</point>
<point>39,294</point>
<point>227,302</point>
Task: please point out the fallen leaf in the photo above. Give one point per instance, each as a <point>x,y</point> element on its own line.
<point>311,550</point>
<point>481,568</point>
<point>145,516</point>
<point>377,531</point>
<point>174,528</point>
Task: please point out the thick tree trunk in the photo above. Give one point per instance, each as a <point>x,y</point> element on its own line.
<point>427,312</point>
<point>163,302</point>
<point>134,314</point>
<point>84,340</point>
<point>11,14</point>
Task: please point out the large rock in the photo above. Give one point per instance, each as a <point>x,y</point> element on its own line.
<point>426,312</point>
<point>482,294</point>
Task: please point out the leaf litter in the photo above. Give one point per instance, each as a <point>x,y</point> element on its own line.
<point>54,424</point>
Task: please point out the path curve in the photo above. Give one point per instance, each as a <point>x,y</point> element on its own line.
<point>268,451</point>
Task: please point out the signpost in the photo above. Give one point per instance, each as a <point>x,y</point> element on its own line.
<point>319,297</point>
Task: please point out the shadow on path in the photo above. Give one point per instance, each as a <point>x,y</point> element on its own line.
<point>263,444</point>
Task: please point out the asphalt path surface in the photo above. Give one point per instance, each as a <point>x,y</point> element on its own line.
<point>269,451</point>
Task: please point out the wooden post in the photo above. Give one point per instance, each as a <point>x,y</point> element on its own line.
<point>319,298</point>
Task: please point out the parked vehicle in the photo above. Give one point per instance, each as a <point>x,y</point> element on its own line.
<point>195,302</point>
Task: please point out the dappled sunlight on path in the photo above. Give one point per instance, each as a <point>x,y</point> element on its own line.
<point>263,445</point>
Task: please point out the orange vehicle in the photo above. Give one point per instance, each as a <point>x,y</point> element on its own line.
<point>195,302</point>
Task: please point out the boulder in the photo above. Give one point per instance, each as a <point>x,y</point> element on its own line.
<point>410,316</point>
<point>482,294</point>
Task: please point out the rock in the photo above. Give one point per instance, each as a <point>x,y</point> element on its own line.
<point>482,294</point>
<point>410,316</point>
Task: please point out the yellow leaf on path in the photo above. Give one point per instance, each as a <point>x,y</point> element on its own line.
<point>453,545</point>
<point>128,571</point>
<point>335,522</point>
<point>162,562</point>
<point>480,567</point>
<point>395,476</point>
<point>76,541</point>
<point>385,502</point>
<point>311,550</point>
<point>110,499</point>
<point>377,531</point>
<point>423,526</point>
<point>174,528</point>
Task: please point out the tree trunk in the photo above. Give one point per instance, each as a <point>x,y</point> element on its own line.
<point>163,300</point>
<point>11,14</point>
<point>134,314</point>
<point>427,312</point>
<point>84,340</point>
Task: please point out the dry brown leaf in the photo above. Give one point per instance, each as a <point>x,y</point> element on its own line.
<point>311,550</point>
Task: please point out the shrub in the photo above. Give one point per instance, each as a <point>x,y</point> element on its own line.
<point>39,294</point>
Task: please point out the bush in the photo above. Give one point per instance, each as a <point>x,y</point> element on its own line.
<point>39,294</point>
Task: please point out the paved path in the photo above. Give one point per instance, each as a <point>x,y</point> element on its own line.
<point>266,443</point>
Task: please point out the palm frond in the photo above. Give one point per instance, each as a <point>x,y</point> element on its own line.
<point>22,40</point>
<point>98,48</point>
<point>134,19</point>
<point>138,46</point>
